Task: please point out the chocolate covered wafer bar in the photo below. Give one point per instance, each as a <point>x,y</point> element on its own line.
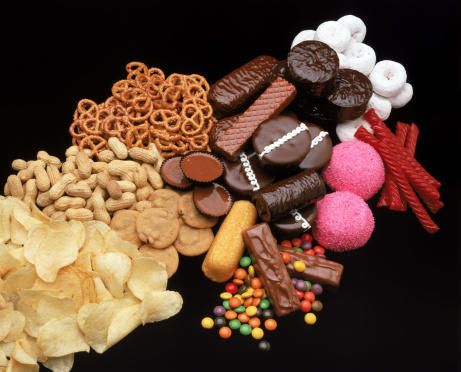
<point>270,103</point>
<point>277,200</point>
<point>270,268</point>
<point>237,89</point>
<point>318,269</point>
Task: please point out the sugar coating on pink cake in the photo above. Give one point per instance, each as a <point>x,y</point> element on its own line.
<point>344,221</point>
<point>355,166</point>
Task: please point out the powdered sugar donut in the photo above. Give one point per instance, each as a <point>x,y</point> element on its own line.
<point>381,105</point>
<point>355,166</point>
<point>403,97</point>
<point>388,78</point>
<point>344,221</point>
<point>361,57</point>
<point>346,131</point>
<point>303,36</point>
<point>334,34</point>
<point>356,27</point>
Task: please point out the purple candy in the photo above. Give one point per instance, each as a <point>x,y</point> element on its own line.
<point>219,310</point>
<point>301,286</point>
<point>306,245</point>
<point>294,281</point>
<point>317,289</point>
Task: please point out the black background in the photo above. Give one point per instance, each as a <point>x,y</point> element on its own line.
<point>398,307</point>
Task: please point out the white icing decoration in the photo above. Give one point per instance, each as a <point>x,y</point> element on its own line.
<point>267,149</point>
<point>318,139</point>
<point>249,171</point>
<point>298,217</point>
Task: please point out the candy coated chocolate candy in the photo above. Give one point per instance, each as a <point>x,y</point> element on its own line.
<point>349,98</point>
<point>246,176</point>
<point>321,149</point>
<point>282,142</point>
<point>314,65</point>
<point>296,223</point>
<point>201,167</point>
<point>173,175</point>
<point>213,200</point>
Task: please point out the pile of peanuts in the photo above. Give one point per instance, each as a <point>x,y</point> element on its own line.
<point>83,189</point>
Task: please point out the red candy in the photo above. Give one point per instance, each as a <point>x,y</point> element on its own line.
<point>306,306</point>
<point>286,243</point>
<point>296,242</point>
<point>306,237</point>
<point>309,296</point>
<point>299,294</point>
<point>319,250</point>
<point>231,288</point>
<point>310,252</point>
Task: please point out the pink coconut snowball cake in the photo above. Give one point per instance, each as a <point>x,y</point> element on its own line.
<point>344,221</point>
<point>355,166</point>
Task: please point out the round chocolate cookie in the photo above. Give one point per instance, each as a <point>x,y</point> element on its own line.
<point>212,200</point>
<point>282,69</point>
<point>349,97</point>
<point>296,223</point>
<point>314,65</point>
<point>220,127</point>
<point>201,167</point>
<point>321,149</point>
<point>247,175</point>
<point>172,174</point>
<point>282,142</point>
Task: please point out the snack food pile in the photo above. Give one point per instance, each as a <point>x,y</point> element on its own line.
<point>243,171</point>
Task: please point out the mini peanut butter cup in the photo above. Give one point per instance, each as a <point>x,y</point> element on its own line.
<point>201,167</point>
<point>172,174</point>
<point>212,200</point>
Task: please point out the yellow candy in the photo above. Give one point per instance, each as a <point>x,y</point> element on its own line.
<point>251,271</point>
<point>207,323</point>
<point>310,318</point>
<point>239,296</point>
<point>248,293</point>
<point>299,266</point>
<point>225,295</point>
<point>251,311</point>
<point>257,333</point>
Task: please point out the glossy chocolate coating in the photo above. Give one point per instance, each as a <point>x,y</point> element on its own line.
<point>320,154</point>
<point>238,182</point>
<point>318,269</point>
<point>220,127</point>
<point>277,200</point>
<point>288,154</point>
<point>270,268</point>
<point>236,90</point>
<point>172,174</point>
<point>349,98</point>
<point>288,227</point>
<point>282,70</point>
<point>313,64</point>
<point>213,200</point>
<point>201,167</point>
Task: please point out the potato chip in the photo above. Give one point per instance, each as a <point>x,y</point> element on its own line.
<point>18,233</point>
<point>17,324</point>
<point>7,261</point>
<point>123,323</point>
<point>15,366</point>
<point>60,364</point>
<point>23,353</point>
<point>24,218</point>
<point>147,275</point>
<point>158,306</point>
<point>60,337</point>
<point>5,321</point>
<point>5,220</point>
<point>94,243</point>
<point>91,226</point>
<point>35,238</point>
<point>83,262</point>
<point>113,243</point>
<point>114,269</point>
<point>17,253</point>
<point>22,278</point>
<point>50,307</point>
<point>3,360</point>
<point>39,215</point>
<point>7,348</point>
<point>77,231</point>
<point>102,294</point>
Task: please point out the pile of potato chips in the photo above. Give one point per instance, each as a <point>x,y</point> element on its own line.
<point>69,286</point>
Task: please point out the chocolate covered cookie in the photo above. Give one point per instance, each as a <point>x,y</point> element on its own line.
<point>296,223</point>
<point>320,151</point>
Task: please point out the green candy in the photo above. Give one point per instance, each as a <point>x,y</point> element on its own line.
<point>300,250</point>
<point>245,261</point>
<point>245,329</point>
<point>308,285</point>
<point>240,309</point>
<point>235,324</point>
<point>265,304</point>
<point>226,305</point>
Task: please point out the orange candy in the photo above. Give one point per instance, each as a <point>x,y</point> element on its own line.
<point>225,332</point>
<point>256,301</point>
<point>255,283</point>
<point>248,302</point>
<point>270,324</point>
<point>258,292</point>
<point>235,302</point>
<point>243,318</point>
<point>254,322</point>
<point>240,274</point>
<point>286,258</point>
<point>230,314</point>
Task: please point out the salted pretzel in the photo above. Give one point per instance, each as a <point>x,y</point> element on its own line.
<point>138,136</point>
<point>94,143</point>
<point>165,119</point>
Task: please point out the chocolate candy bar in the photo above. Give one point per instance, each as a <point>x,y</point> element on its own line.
<point>282,142</point>
<point>314,65</point>
<point>220,127</point>
<point>277,200</point>
<point>270,103</point>
<point>296,223</point>
<point>321,149</point>
<point>349,98</point>
<point>270,268</point>
<point>237,89</point>
<point>247,175</point>
<point>318,269</point>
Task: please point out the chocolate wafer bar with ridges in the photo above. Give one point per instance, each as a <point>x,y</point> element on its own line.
<point>271,102</point>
